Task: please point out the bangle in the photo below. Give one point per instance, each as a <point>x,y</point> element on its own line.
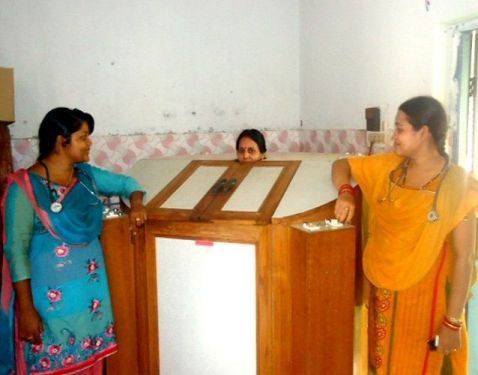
<point>451,326</point>
<point>346,188</point>
<point>454,321</point>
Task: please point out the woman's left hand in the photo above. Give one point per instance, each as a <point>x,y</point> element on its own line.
<point>450,340</point>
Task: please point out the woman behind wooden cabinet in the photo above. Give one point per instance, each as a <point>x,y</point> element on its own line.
<point>250,146</point>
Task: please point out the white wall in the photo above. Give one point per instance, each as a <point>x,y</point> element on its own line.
<point>150,66</point>
<point>157,66</point>
<point>357,54</point>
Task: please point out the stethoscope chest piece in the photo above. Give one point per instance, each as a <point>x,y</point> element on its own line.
<point>56,207</point>
<point>432,216</point>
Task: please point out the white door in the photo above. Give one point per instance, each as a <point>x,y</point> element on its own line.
<point>207,307</point>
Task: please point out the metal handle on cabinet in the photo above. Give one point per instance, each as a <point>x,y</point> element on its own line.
<point>224,186</point>
<point>229,186</point>
<point>219,186</point>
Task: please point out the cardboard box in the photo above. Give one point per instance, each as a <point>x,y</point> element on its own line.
<point>7,96</point>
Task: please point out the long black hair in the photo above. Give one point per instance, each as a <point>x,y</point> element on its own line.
<point>425,110</point>
<point>60,121</point>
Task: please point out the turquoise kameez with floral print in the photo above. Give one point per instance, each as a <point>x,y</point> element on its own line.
<point>62,256</point>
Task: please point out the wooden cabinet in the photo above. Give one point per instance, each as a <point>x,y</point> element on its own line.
<point>211,255</point>
<point>202,191</point>
<point>120,258</point>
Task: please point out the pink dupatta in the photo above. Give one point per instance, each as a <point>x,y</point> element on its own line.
<point>22,179</point>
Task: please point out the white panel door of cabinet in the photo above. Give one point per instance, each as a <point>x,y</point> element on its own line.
<point>207,307</point>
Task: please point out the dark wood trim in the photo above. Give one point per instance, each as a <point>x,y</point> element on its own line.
<point>119,256</point>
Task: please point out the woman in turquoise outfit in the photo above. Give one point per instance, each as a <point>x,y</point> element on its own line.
<point>56,311</point>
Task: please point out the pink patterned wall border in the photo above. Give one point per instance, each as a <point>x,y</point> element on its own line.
<point>119,152</point>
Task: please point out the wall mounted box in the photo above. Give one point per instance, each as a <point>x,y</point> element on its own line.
<point>7,96</point>
<point>372,115</point>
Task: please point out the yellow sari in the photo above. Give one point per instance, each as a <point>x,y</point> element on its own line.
<point>407,259</point>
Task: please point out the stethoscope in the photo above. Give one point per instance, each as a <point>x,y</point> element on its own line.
<point>56,205</point>
<point>432,215</point>
<point>93,192</point>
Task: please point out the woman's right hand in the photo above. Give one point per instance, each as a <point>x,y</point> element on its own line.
<point>345,208</point>
<point>345,204</point>
<point>30,325</point>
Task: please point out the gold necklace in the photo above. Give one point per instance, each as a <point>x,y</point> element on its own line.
<point>431,180</point>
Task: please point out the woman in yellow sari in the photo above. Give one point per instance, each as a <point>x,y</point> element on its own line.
<point>420,244</point>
